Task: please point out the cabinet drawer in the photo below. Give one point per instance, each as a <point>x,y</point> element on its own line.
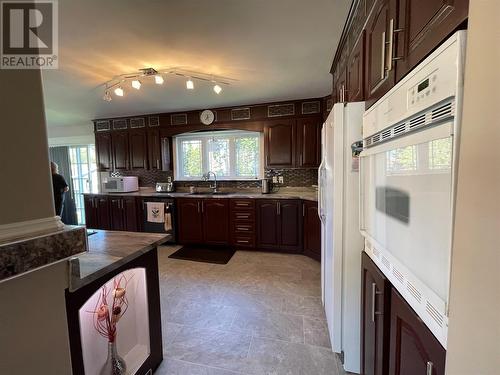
<point>244,228</point>
<point>242,204</point>
<point>243,215</point>
<point>244,241</point>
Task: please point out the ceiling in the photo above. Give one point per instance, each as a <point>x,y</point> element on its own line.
<point>276,49</point>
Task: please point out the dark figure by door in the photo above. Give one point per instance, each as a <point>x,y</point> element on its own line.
<point>60,187</point>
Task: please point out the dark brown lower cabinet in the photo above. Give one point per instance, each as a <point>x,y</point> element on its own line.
<point>312,230</point>
<point>203,221</point>
<point>97,212</point>
<point>215,221</point>
<point>279,224</point>
<point>413,350</point>
<point>375,319</point>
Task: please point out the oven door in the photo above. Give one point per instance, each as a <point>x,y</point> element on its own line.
<point>406,210</point>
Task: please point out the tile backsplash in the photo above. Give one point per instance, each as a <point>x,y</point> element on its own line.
<point>291,178</point>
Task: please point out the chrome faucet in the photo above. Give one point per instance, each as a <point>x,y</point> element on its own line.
<point>206,177</point>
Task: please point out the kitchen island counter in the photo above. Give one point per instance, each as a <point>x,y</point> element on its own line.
<point>107,251</point>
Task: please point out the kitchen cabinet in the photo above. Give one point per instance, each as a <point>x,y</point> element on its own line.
<point>341,86</point>
<point>308,142</point>
<point>355,71</point>
<point>123,213</point>
<point>279,224</point>
<point>138,149</point>
<point>103,152</point>
<point>312,230</point>
<point>380,77</point>
<point>279,144</point>
<point>97,212</point>
<point>120,150</point>
<point>203,221</point>
<point>166,152</point>
<point>215,214</point>
<point>423,25</point>
<point>242,219</point>
<point>154,149</point>
<point>375,319</point>
<point>413,348</point>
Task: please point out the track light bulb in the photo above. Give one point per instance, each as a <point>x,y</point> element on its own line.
<point>217,89</point>
<point>136,84</point>
<point>158,79</point>
<point>189,84</point>
<point>119,91</point>
<point>107,96</point>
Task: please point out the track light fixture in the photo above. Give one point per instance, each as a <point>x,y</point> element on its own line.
<point>136,80</point>
<point>119,91</point>
<point>136,84</point>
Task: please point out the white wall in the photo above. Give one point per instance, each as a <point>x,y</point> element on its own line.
<point>474,324</point>
<point>71,135</point>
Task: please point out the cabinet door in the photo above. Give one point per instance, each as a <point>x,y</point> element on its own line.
<point>154,149</point>
<point>341,86</point>
<point>309,142</point>
<point>375,299</point>
<point>90,212</point>
<point>379,79</point>
<point>267,224</point>
<point>102,212</point>
<point>414,349</point>
<point>312,230</point>
<point>103,151</point>
<point>355,71</point>
<point>424,24</point>
<point>280,144</point>
<point>138,149</point>
<point>190,222</point>
<point>129,206</point>
<point>290,228</point>
<point>166,151</point>
<point>116,213</point>
<point>120,150</point>
<point>215,221</point>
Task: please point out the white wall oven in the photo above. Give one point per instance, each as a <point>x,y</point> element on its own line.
<point>408,167</point>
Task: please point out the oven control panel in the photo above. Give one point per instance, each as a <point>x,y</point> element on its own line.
<point>423,90</point>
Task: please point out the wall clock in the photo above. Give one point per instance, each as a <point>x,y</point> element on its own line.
<point>207,117</point>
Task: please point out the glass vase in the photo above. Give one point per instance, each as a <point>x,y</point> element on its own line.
<point>115,365</point>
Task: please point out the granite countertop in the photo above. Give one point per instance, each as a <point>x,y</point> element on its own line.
<point>284,193</point>
<point>108,250</point>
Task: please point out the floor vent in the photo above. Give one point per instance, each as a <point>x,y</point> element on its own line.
<point>178,119</point>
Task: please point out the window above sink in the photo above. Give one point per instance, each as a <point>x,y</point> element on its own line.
<point>231,155</point>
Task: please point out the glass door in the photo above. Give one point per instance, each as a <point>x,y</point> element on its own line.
<point>83,175</point>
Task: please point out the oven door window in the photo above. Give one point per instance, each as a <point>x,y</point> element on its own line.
<point>407,205</point>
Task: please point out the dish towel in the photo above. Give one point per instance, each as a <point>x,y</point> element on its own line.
<point>168,221</point>
<point>156,212</point>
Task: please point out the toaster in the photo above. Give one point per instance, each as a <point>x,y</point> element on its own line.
<point>165,187</point>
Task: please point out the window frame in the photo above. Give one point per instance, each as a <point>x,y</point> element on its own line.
<point>204,137</point>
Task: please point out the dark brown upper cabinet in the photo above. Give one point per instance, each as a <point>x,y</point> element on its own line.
<point>380,76</point>
<point>341,86</point>
<point>154,149</point>
<point>413,350</point>
<point>103,151</point>
<point>280,144</point>
<point>166,152</point>
<point>308,142</point>
<point>120,150</point>
<point>422,25</point>
<point>355,70</point>
<point>138,149</point>
<point>375,318</point>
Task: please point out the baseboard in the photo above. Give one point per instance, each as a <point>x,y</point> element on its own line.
<point>30,228</point>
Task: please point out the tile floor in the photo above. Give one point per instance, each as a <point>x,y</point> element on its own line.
<point>259,314</point>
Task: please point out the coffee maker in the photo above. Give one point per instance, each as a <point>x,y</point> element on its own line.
<point>266,185</point>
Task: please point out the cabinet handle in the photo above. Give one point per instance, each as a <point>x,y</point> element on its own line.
<point>198,204</point>
<point>157,164</point>
<point>202,207</point>
<point>243,241</point>
<point>430,367</point>
<point>382,63</point>
<point>391,58</point>
<point>278,208</point>
<point>303,209</point>
<point>374,294</point>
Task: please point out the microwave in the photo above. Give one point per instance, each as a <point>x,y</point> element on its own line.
<point>120,184</point>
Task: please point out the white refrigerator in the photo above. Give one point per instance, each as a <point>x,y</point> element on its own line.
<point>341,243</point>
